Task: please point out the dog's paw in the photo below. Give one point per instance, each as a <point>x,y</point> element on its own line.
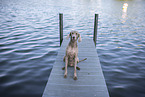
<point>75,78</point>
<point>65,76</point>
<point>78,68</point>
<point>63,68</point>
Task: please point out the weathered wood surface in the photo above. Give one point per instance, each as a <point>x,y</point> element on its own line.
<point>90,83</point>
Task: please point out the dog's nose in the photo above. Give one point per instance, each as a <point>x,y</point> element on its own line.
<point>73,37</point>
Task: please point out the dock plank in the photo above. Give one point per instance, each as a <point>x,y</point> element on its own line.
<point>90,83</point>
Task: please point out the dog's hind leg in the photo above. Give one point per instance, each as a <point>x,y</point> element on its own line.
<point>78,68</point>
<point>64,59</point>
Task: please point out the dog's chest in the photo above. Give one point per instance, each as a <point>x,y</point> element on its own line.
<point>71,56</point>
<point>71,52</point>
<point>71,60</point>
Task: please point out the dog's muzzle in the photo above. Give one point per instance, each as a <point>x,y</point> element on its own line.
<point>73,38</point>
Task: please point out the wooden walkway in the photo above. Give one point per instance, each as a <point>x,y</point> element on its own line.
<point>90,82</point>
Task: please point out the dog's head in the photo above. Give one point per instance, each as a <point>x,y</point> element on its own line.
<point>74,35</point>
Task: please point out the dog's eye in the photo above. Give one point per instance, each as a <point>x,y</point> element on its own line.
<point>72,33</point>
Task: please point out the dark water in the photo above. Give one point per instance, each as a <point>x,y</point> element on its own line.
<point>29,42</point>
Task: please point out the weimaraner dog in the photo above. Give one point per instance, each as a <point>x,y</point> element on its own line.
<point>71,57</point>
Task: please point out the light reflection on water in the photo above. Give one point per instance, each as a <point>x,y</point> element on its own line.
<point>29,42</point>
<point>124,12</point>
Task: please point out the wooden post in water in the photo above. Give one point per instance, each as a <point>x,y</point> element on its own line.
<point>95,28</point>
<point>61,27</point>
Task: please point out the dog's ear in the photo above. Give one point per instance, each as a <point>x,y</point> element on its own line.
<point>80,39</point>
<point>68,36</point>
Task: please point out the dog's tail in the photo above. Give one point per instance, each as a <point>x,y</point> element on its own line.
<point>82,60</point>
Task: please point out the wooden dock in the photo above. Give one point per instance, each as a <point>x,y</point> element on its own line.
<point>90,82</point>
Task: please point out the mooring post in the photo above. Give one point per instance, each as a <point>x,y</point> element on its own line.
<point>95,28</point>
<point>61,27</point>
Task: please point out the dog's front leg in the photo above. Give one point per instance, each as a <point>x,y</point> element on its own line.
<point>66,63</point>
<point>75,66</point>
